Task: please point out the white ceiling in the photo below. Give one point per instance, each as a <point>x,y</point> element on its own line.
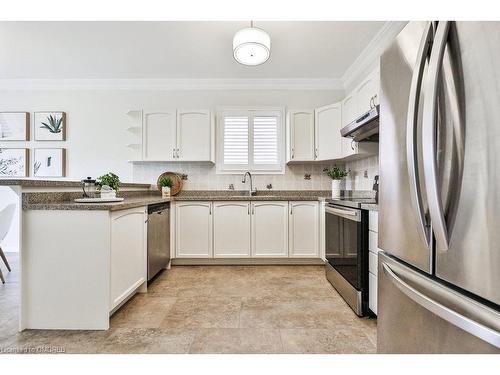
<point>141,50</point>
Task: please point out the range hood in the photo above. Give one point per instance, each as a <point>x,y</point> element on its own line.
<point>364,128</point>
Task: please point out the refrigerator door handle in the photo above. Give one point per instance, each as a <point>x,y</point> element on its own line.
<point>429,129</point>
<point>411,132</point>
<point>474,328</point>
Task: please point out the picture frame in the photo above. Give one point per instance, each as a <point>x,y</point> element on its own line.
<point>14,162</point>
<point>14,126</point>
<point>49,162</point>
<point>49,126</point>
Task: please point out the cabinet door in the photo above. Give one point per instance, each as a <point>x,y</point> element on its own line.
<point>128,253</point>
<point>303,229</point>
<point>270,229</point>
<point>349,111</point>
<point>159,135</point>
<point>231,229</point>
<point>301,135</point>
<point>194,135</point>
<point>367,93</point>
<point>327,122</point>
<point>372,292</point>
<point>193,229</point>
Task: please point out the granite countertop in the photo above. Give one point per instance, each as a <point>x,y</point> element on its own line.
<point>30,182</point>
<point>65,200</point>
<point>241,195</point>
<point>127,203</point>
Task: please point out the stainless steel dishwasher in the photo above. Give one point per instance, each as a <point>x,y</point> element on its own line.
<point>158,238</point>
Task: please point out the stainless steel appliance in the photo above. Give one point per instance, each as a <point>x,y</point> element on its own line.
<point>365,127</point>
<point>439,199</point>
<point>346,250</point>
<point>158,238</point>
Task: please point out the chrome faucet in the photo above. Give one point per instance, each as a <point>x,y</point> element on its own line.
<point>252,191</point>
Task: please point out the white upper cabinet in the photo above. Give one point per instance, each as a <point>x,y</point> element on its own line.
<point>194,135</point>
<point>231,229</point>
<point>171,135</point>
<point>303,229</point>
<point>358,102</point>
<point>367,93</point>
<point>349,110</point>
<point>269,229</point>
<point>301,130</point>
<point>193,229</point>
<point>159,135</point>
<point>328,121</point>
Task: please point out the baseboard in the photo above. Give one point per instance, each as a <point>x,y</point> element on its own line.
<point>246,261</point>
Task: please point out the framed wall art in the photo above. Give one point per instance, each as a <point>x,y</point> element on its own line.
<point>14,162</point>
<point>14,126</point>
<point>49,162</point>
<point>50,126</point>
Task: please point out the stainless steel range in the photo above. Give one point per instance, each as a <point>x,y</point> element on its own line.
<point>346,250</point>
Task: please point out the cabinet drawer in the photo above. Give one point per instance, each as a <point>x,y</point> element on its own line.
<point>373,221</point>
<point>373,241</point>
<point>372,262</point>
<point>372,292</point>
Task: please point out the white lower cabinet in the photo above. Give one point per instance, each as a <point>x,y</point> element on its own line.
<point>303,230</point>
<point>372,292</point>
<point>232,229</point>
<point>372,260</point>
<point>193,229</point>
<point>269,229</point>
<point>128,253</point>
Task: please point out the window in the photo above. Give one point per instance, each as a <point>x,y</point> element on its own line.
<point>250,140</point>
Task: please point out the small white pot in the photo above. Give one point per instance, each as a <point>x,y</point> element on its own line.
<point>335,189</point>
<point>106,194</point>
<point>165,192</point>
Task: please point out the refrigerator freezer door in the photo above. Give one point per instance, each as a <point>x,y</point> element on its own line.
<point>403,226</point>
<point>418,315</point>
<point>468,254</point>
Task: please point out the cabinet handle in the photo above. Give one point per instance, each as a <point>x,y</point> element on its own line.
<point>291,209</point>
<point>177,153</point>
<point>316,153</point>
<point>173,153</point>
<point>249,209</point>
<point>293,152</point>
<point>253,209</point>
<point>210,209</point>
<point>352,145</point>
<point>371,102</point>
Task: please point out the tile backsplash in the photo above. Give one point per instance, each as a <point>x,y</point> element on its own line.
<point>362,173</point>
<point>202,176</point>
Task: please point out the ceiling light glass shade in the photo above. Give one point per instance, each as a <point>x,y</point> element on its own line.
<point>251,46</point>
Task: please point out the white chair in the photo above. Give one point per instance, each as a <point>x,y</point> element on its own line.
<point>6,216</point>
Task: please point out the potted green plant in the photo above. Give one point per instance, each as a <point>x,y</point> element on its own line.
<point>336,174</point>
<point>109,184</point>
<point>166,184</point>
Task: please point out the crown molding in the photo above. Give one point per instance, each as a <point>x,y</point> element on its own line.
<point>173,84</point>
<point>372,52</point>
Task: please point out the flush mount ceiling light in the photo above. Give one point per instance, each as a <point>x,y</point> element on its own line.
<point>251,46</point>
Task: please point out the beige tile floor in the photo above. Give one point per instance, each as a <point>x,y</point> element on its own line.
<point>212,309</point>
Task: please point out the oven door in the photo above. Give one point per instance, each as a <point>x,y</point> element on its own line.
<point>342,242</point>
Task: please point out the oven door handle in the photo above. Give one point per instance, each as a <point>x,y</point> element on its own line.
<point>348,214</point>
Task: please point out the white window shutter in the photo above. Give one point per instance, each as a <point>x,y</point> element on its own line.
<point>236,140</point>
<point>265,140</point>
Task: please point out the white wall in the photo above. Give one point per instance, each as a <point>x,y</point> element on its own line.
<point>97,120</point>
<point>11,241</point>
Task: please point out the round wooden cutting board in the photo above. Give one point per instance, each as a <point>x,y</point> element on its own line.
<point>176,179</point>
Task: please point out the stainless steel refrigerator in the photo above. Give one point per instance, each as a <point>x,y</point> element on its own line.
<point>439,199</point>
